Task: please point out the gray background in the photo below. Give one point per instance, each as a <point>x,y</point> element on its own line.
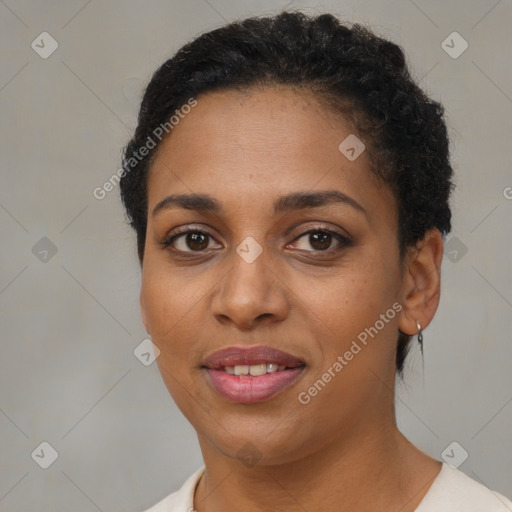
<point>70,320</point>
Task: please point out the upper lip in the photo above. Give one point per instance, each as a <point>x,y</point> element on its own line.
<point>260,354</point>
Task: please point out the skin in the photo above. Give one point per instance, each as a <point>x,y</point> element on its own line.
<point>342,450</point>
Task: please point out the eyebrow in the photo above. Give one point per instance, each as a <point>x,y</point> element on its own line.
<point>283,204</point>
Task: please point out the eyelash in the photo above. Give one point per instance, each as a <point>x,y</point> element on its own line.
<point>342,240</point>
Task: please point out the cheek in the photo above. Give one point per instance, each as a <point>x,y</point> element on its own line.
<point>164,304</point>
<point>349,298</point>
<point>169,307</point>
<point>176,308</point>
<point>346,308</point>
<point>168,295</point>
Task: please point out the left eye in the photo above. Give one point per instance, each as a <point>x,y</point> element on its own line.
<point>321,239</point>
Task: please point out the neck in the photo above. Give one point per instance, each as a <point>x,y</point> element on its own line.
<point>368,471</point>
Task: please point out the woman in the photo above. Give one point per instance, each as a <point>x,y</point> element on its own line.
<point>289,186</point>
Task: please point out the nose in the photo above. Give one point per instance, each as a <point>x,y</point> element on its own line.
<point>250,294</point>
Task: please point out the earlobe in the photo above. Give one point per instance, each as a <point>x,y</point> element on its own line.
<point>422,283</point>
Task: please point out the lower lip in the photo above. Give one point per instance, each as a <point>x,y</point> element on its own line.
<point>247,389</point>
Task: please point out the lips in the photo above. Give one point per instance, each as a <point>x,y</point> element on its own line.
<point>247,356</point>
<point>237,373</point>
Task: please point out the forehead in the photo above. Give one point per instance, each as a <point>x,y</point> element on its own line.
<point>257,144</point>
<point>279,120</point>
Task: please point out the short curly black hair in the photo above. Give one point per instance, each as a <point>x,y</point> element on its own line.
<point>350,69</point>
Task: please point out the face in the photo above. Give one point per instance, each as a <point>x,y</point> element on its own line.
<point>315,276</point>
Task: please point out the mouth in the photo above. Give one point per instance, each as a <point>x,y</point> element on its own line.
<point>252,374</point>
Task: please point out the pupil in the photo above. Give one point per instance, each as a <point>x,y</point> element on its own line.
<point>322,238</point>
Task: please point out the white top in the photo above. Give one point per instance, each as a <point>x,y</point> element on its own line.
<point>452,491</point>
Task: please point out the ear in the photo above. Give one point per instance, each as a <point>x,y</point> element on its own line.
<point>143,313</point>
<point>421,286</point>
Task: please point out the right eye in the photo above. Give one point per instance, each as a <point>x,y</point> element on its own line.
<point>188,240</point>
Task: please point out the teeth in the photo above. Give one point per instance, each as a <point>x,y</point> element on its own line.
<point>254,370</point>
<point>257,369</point>
<point>241,369</point>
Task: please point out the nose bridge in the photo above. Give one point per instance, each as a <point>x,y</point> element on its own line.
<point>250,288</point>
<point>250,274</point>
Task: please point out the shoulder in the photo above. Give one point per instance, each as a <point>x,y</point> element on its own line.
<point>181,500</point>
<point>454,491</point>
